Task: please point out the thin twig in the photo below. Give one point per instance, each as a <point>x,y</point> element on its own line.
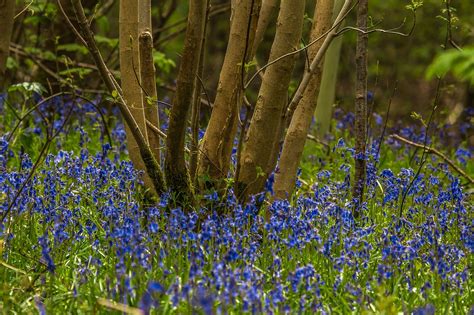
<point>24,9</point>
<point>392,31</point>
<point>336,24</point>
<point>313,138</point>
<point>73,28</point>
<point>387,115</point>
<point>160,132</point>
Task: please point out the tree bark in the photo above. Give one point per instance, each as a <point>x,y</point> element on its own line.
<point>147,75</point>
<point>295,138</point>
<point>7,13</point>
<point>218,140</point>
<point>263,131</point>
<point>360,106</point>
<point>327,93</point>
<point>130,76</point>
<point>175,165</point>
<point>196,110</point>
<point>265,16</point>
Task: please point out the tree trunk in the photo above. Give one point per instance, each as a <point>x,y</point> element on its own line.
<point>196,110</point>
<point>147,75</point>
<point>130,76</point>
<point>218,140</point>
<point>300,123</point>
<point>271,101</point>
<point>175,165</point>
<point>151,165</point>
<point>327,93</point>
<point>7,13</point>
<point>265,16</point>
<point>360,106</point>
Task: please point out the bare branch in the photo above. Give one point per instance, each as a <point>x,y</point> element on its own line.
<point>437,153</point>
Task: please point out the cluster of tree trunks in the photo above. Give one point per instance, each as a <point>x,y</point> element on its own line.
<point>278,126</point>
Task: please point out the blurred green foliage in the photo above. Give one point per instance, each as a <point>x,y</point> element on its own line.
<point>459,62</point>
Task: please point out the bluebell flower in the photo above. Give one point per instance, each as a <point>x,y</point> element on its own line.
<point>428,309</point>
<point>39,305</point>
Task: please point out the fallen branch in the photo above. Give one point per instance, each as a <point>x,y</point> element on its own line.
<point>437,153</point>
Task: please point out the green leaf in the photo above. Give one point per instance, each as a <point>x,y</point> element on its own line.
<point>73,48</point>
<point>103,25</point>
<point>163,63</point>
<point>27,87</point>
<point>82,72</point>
<point>11,63</point>
<point>102,40</point>
<point>458,62</point>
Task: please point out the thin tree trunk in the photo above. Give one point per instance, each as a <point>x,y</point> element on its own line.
<point>175,165</point>
<point>271,101</point>
<point>280,133</point>
<point>7,12</point>
<point>196,110</point>
<point>265,16</point>
<point>219,138</point>
<point>152,167</point>
<point>327,93</point>
<point>295,138</point>
<point>361,105</point>
<point>130,76</point>
<point>147,75</point>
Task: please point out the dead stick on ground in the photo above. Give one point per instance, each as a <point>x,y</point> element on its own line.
<point>439,154</point>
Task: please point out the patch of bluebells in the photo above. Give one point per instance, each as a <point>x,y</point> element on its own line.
<point>307,256</point>
<point>76,120</point>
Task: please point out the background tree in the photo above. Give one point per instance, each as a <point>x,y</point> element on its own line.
<point>361,104</point>
<point>327,92</point>
<point>7,13</point>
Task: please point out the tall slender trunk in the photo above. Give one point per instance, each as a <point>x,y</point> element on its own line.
<point>7,12</point>
<point>280,133</point>
<point>271,101</point>
<point>196,110</point>
<point>298,128</point>
<point>152,167</point>
<point>175,165</point>
<point>130,76</point>
<point>361,105</point>
<point>265,16</point>
<point>327,93</point>
<point>147,75</point>
<point>218,140</point>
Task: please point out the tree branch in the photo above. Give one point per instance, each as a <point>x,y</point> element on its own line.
<point>437,153</point>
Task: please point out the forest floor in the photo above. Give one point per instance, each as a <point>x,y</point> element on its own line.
<point>78,236</point>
